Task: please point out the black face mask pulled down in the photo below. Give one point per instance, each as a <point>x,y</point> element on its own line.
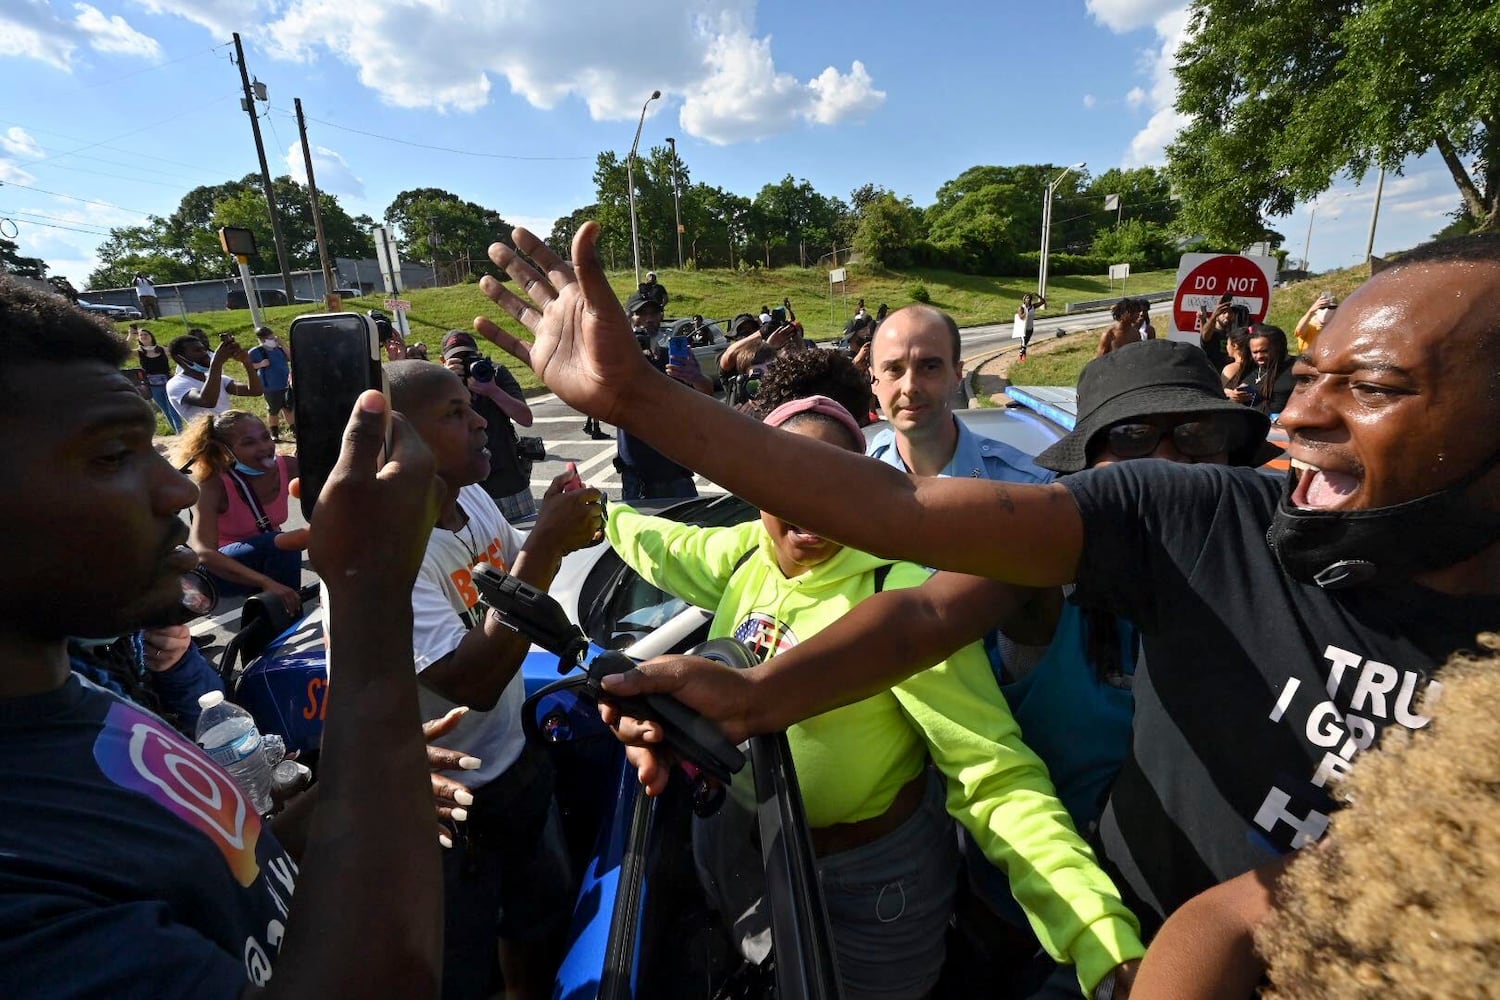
<point>1336,549</point>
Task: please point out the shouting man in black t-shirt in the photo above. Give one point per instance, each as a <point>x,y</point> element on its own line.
<point>1378,556</point>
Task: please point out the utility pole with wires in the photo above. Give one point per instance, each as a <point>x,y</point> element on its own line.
<point>330,300</point>
<point>248,103</point>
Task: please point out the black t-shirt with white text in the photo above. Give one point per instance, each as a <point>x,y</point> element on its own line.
<point>1257,691</point>
<point>131,865</point>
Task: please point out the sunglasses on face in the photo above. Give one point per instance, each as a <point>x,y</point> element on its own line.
<point>1199,438</point>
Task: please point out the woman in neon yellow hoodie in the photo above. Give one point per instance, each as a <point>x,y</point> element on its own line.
<point>886,854</point>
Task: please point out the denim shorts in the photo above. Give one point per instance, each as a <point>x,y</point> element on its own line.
<point>889,903</point>
<point>506,876</point>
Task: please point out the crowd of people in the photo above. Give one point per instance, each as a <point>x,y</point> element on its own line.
<point>1110,697</point>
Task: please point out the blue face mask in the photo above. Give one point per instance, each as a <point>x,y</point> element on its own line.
<point>200,369</point>
<point>246,470</point>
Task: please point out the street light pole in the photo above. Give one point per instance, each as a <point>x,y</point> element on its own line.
<point>1041,279</point>
<point>1375,216</point>
<point>676,200</point>
<point>635,231</point>
<point>1307,244</point>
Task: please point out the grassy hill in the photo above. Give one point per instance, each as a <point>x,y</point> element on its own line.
<point>1061,367</point>
<point>717,295</point>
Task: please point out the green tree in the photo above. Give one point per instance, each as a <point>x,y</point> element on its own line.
<point>987,215</point>
<point>1142,244</point>
<point>889,232</point>
<point>1145,193</point>
<point>246,208</point>
<point>439,224</point>
<point>141,249</point>
<point>11,262</point>
<point>1282,100</point>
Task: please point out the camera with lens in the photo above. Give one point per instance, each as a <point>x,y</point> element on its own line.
<point>481,370</point>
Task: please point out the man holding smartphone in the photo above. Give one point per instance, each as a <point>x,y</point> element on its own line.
<point>130,863</point>
<point>646,473</point>
<point>200,385</point>
<point>507,875</point>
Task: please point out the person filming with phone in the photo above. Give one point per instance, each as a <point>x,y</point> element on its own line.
<point>200,385</point>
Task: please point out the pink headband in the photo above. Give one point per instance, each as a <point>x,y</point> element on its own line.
<point>816,404</point>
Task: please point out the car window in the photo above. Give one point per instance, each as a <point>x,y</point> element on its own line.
<point>617,608</point>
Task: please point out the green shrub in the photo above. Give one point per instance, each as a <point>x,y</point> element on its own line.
<point>919,293</point>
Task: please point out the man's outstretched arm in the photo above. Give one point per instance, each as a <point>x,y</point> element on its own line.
<point>584,351</point>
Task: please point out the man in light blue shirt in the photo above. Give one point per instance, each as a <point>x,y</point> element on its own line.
<point>915,370</point>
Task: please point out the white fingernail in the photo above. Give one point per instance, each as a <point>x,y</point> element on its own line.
<point>462,797</point>
<point>460,710</point>
<point>445,840</point>
<point>469,763</point>
<point>459,815</point>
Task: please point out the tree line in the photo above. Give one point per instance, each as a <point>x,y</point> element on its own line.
<point>986,221</point>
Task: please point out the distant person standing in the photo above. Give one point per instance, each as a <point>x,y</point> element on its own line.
<point>1026,320</point>
<point>653,291</point>
<point>158,371</point>
<point>145,291</point>
<point>274,366</point>
<point>1312,321</point>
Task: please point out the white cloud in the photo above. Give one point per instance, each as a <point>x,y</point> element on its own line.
<point>1169,20</point>
<point>1121,16</point>
<point>1089,100</point>
<point>12,174</point>
<point>18,142</point>
<point>330,169</point>
<point>705,56</point>
<point>34,30</point>
<point>113,34</point>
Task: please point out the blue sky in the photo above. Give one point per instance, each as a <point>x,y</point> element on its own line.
<point>110,110</point>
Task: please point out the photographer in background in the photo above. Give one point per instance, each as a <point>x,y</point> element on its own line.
<point>1214,329</point>
<point>497,397</point>
<point>646,473</point>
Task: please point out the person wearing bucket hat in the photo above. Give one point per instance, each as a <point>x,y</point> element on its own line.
<point>1158,399</point>
<point>1072,696</point>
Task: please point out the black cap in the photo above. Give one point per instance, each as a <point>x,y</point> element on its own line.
<point>1149,378</point>
<point>639,303</point>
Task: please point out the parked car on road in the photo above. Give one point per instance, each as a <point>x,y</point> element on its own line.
<point>110,311</point>
<point>708,342</point>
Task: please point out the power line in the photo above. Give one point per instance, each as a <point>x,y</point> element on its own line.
<point>103,230</point>
<point>74,138</point>
<point>423,145</point>
<point>71,229</point>
<point>119,177</point>
<point>146,69</point>
<point>74,197</point>
<point>137,131</point>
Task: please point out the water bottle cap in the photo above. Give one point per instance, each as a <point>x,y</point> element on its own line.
<point>210,700</point>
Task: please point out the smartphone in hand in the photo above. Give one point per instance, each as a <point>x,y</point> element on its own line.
<point>335,357</point>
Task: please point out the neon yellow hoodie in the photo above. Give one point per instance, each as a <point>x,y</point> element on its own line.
<point>852,761</point>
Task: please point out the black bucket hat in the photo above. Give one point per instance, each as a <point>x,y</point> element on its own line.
<point>1149,378</point>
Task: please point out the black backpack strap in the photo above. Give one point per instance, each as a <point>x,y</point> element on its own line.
<point>248,495</point>
<point>881,573</point>
<point>740,562</point>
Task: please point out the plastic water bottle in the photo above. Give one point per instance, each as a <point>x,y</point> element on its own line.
<point>228,734</point>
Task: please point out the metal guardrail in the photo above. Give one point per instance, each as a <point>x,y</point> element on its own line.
<point>1093,305</point>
